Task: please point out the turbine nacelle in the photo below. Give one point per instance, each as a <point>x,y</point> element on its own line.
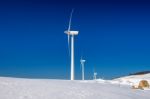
<point>82,61</point>
<point>95,73</point>
<point>71,32</point>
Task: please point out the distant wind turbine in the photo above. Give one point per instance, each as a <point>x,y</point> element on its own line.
<point>82,61</point>
<point>72,34</point>
<point>94,76</point>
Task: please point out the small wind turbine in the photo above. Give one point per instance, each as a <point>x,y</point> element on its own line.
<point>72,34</point>
<point>94,76</point>
<point>82,64</point>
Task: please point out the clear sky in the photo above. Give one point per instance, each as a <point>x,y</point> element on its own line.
<point>114,37</point>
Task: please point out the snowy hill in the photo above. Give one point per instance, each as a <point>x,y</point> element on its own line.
<point>140,73</point>
<point>18,88</point>
<point>133,79</point>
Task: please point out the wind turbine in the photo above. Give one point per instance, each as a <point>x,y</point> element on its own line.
<point>82,64</point>
<point>94,76</point>
<point>71,33</point>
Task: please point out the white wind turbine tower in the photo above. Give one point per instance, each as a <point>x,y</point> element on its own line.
<point>82,64</point>
<point>71,33</point>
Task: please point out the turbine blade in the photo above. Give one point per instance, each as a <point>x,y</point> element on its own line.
<point>81,66</point>
<point>69,27</point>
<point>70,19</point>
<point>69,44</point>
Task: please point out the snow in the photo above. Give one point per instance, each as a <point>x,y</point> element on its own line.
<point>133,79</point>
<point>19,88</point>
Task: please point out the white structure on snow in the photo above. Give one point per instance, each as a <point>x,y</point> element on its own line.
<point>94,76</point>
<point>82,64</point>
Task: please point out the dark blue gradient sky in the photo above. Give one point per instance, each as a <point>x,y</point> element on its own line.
<point>114,37</point>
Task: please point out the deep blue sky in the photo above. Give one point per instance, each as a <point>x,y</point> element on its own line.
<point>114,37</point>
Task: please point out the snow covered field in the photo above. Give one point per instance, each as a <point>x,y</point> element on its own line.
<point>18,88</point>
